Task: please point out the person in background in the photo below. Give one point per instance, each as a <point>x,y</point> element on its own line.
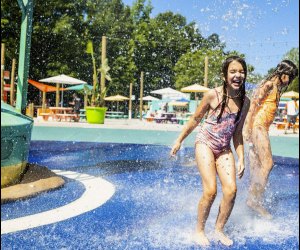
<point>144,113</point>
<point>149,114</point>
<point>283,115</point>
<point>165,109</point>
<point>76,103</point>
<point>158,113</point>
<point>292,111</point>
<point>227,107</point>
<point>264,103</point>
<point>47,103</point>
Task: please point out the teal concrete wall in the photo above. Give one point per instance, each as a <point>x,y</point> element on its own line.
<point>281,146</point>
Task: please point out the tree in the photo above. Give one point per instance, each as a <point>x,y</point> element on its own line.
<point>190,67</point>
<point>159,43</point>
<point>113,19</point>
<point>135,42</point>
<point>293,55</point>
<point>57,44</point>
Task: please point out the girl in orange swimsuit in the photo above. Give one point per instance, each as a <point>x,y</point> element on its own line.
<point>261,114</point>
<point>226,106</point>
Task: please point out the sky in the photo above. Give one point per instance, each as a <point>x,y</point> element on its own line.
<point>263,30</point>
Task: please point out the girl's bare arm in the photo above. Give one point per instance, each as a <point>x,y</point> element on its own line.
<point>194,120</point>
<point>256,101</point>
<point>238,138</point>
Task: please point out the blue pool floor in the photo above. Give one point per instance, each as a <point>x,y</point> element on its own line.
<point>154,205</point>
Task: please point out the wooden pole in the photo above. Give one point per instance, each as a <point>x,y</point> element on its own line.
<point>2,69</point>
<point>30,110</point>
<point>130,101</point>
<point>57,95</point>
<point>141,95</point>
<point>12,82</point>
<point>62,95</point>
<point>85,101</point>
<point>44,101</point>
<point>206,71</point>
<point>103,57</point>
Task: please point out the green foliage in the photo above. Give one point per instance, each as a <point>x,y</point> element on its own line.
<point>10,29</point>
<point>294,86</point>
<point>158,45</point>
<point>98,93</point>
<point>254,78</point>
<point>104,70</point>
<point>168,49</point>
<point>190,68</point>
<point>293,55</point>
<point>89,47</point>
<point>113,19</point>
<point>140,12</point>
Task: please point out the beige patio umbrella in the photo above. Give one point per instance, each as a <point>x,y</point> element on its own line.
<point>62,79</point>
<point>116,98</point>
<point>195,88</point>
<point>177,103</point>
<point>149,98</point>
<point>291,94</point>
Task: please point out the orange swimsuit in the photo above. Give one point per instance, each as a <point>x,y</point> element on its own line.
<point>266,111</point>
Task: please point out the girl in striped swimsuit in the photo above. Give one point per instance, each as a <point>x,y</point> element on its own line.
<point>226,107</point>
<point>261,114</point>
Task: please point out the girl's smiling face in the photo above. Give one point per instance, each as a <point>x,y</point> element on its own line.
<point>236,75</point>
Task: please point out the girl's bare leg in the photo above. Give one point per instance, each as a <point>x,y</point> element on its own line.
<point>206,165</point>
<point>254,167</point>
<point>261,164</point>
<point>256,190</point>
<point>294,128</point>
<point>226,171</point>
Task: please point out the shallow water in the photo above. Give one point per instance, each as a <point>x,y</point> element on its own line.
<point>154,206</point>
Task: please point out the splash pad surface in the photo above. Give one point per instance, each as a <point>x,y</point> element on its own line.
<point>154,205</point>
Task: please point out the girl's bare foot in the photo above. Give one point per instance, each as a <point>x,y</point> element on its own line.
<point>259,209</point>
<point>220,236</point>
<point>201,239</point>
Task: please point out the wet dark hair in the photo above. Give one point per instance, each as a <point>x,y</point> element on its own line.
<point>285,67</point>
<point>225,66</point>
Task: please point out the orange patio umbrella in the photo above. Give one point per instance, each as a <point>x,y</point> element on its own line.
<point>44,88</point>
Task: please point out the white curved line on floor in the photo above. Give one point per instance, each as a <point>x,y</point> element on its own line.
<point>97,192</point>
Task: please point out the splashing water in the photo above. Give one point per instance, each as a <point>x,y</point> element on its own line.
<point>155,204</point>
